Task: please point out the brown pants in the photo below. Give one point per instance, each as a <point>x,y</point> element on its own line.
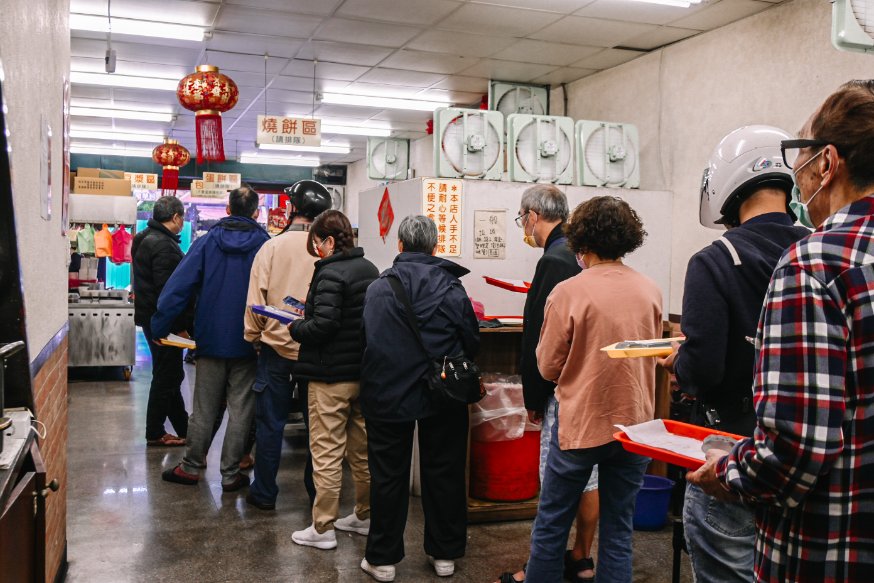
<point>337,431</point>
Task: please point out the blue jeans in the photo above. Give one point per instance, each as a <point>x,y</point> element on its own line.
<point>567,472</point>
<point>274,387</point>
<point>550,414</point>
<point>720,537</point>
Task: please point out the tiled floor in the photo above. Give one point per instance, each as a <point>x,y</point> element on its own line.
<point>126,525</point>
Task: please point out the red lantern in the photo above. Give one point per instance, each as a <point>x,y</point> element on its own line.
<point>208,93</point>
<point>171,156</point>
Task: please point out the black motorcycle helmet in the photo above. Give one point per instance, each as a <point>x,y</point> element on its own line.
<point>309,198</point>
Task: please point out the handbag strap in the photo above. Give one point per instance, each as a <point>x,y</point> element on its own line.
<point>398,288</point>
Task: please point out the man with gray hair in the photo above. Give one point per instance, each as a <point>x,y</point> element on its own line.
<point>156,253</point>
<point>395,398</point>
<point>542,214</point>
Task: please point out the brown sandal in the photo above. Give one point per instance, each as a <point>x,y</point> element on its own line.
<point>166,440</point>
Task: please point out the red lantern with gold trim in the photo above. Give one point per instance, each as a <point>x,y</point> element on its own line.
<point>171,156</point>
<point>208,93</point>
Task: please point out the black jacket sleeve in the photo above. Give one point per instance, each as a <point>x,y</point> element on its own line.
<point>468,327</point>
<point>550,271</point>
<point>326,319</point>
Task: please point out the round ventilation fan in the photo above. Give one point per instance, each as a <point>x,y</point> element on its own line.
<point>610,156</point>
<point>466,145</point>
<point>554,148</point>
<point>520,100</point>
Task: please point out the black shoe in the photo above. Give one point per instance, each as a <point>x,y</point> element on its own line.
<point>573,567</point>
<point>177,476</point>
<point>250,499</point>
<point>240,482</point>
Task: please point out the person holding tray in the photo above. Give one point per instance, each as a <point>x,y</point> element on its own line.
<point>749,192</point>
<point>809,467</point>
<point>594,392</point>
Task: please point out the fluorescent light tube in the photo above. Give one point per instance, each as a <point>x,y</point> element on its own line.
<point>116,136</point>
<point>382,102</point>
<point>355,131</point>
<point>96,23</point>
<point>121,114</point>
<point>278,160</point>
<point>115,80</point>
<point>293,148</point>
<point>674,3</point>
<point>110,151</point>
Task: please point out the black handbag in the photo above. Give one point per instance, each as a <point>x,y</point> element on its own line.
<point>451,379</point>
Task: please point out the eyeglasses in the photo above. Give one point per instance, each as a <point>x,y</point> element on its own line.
<point>522,219</point>
<point>790,149</point>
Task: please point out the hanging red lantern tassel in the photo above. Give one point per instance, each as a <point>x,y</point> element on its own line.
<point>171,156</point>
<point>208,93</point>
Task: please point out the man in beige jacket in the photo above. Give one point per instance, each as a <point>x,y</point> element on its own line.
<point>281,268</point>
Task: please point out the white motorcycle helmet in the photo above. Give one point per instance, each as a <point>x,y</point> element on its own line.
<point>745,160</point>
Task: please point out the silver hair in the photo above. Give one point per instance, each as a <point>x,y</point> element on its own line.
<point>418,233</point>
<point>547,201</point>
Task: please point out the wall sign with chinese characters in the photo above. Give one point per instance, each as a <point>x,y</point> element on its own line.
<point>489,234</point>
<point>139,181</point>
<point>441,202</point>
<point>225,180</point>
<point>289,131</point>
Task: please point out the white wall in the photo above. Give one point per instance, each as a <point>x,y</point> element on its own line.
<point>35,52</point>
<point>774,68</point>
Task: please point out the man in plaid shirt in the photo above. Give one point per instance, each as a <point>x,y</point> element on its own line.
<point>809,467</point>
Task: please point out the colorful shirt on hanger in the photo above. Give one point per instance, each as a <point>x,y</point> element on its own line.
<point>103,242</point>
<point>121,245</point>
<point>85,240</point>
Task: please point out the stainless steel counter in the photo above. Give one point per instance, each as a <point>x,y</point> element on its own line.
<point>102,333</point>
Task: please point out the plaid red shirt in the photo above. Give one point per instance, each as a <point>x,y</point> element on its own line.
<point>809,467</point>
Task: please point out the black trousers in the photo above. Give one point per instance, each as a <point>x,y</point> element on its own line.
<point>442,453</point>
<point>165,396</point>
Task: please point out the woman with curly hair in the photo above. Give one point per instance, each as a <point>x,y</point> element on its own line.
<point>330,359</point>
<point>608,302</point>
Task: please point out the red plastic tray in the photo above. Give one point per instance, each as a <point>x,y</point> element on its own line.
<point>677,428</point>
<point>507,285</point>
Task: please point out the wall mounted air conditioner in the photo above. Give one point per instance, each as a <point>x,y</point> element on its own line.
<point>608,154</point>
<point>509,98</point>
<point>388,158</point>
<point>468,143</point>
<point>853,25</point>
<point>338,196</point>
<point>540,148</point>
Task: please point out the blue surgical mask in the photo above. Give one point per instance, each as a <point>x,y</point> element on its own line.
<point>801,208</point>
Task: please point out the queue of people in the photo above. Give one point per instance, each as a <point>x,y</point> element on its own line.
<point>777,325</point>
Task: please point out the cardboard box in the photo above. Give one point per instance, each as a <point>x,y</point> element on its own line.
<point>99,173</point>
<point>110,186</point>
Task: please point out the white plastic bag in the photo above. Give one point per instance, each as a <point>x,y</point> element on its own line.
<point>501,414</point>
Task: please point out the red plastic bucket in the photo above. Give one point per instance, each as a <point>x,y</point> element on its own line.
<point>505,471</point>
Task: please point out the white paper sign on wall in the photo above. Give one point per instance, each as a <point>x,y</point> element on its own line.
<point>441,202</point>
<point>489,234</point>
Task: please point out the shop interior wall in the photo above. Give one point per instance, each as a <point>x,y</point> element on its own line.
<point>35,52</point>
<point>773,68</point>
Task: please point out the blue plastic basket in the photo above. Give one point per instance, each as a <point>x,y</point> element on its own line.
<point>653,500</point>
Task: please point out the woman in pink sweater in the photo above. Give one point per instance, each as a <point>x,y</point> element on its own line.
<point>608,302</point>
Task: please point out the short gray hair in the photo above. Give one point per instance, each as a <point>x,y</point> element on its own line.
<point>547,201</point>
<point>166,208</point>
<point>418,233</point>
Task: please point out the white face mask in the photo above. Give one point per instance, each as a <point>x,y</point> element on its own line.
<point>580,261</point>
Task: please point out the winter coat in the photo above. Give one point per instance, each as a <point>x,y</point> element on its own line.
<point>393,388</point>
<point>156,253</point>
<point>216,271</point>
<point>330,333</point>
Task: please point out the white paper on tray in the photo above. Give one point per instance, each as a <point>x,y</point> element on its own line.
<point>655,434</point>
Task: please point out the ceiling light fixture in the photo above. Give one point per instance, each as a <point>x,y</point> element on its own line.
<point>110,150</point>
<point>96,23</point>
<point>117,136</point>
<point>116,80</point>
<point>293,148</point>
<point>355,131</point>
<point>674,3</point>
<point>382,102</point>
<point>121,114</point>
<point>250,158</point>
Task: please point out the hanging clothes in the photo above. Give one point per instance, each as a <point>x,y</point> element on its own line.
<point>85,240</point>
<point>121,245</point>
<point>103,242</point>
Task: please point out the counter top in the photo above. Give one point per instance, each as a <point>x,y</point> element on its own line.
<point>9,477</point>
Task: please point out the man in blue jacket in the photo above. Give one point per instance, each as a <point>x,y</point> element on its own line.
<point>216,272</point>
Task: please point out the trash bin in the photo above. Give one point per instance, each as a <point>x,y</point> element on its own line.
<point>653,500</point>
<point>504,446</point>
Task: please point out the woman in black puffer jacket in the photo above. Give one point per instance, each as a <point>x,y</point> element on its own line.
<point>330,358</point>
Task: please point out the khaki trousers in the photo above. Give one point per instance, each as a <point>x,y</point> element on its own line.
<point>337,431</point>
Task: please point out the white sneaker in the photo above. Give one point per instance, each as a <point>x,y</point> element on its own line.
<point>310,537</point>
<point>352,523</point>
<point>443,568</point>
<point>380,573</point>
